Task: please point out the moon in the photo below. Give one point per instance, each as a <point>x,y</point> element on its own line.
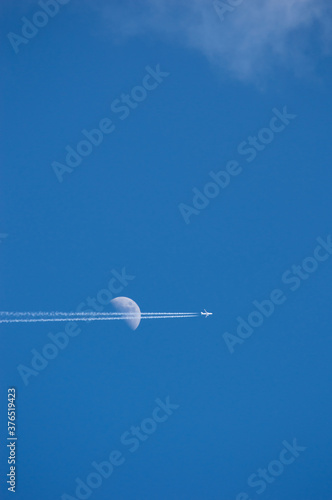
<point>125,305</point>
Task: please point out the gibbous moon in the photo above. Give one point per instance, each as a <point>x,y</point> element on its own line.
<point>125,305</point>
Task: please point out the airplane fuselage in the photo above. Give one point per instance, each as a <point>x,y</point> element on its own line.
<point>206,314</point>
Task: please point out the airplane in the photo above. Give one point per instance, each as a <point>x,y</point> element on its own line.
<point>206,314</point>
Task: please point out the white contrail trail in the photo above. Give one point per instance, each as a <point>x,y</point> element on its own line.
<point>53,314</point>
<point>111,317</point>
<point>50,316</point>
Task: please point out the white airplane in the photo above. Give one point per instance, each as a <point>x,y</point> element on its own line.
<point>206,314</point>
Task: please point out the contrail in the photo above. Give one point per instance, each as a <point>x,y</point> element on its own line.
<point>40,316</point>
<point>92,318</point>
<point>88,313</point>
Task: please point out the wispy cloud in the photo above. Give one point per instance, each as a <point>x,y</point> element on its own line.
<point>255,37</point>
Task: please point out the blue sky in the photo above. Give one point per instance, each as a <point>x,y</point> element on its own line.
<point>235,402</point>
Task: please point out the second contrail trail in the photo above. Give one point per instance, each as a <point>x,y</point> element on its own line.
<point>40,316</point>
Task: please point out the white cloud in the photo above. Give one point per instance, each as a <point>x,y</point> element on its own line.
<point>255,37</point>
